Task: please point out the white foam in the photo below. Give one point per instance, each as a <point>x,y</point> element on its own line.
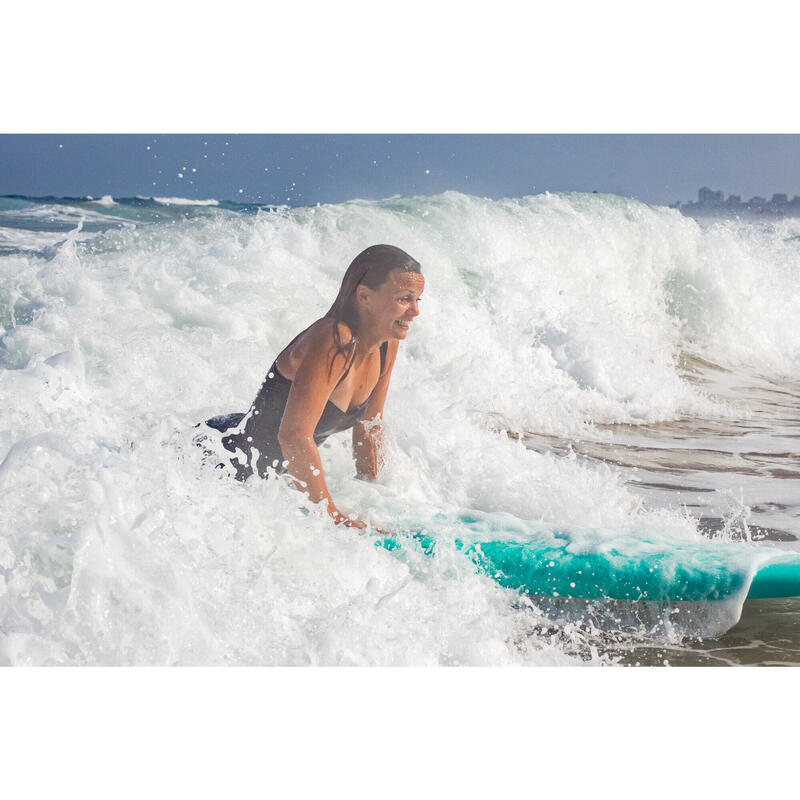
<point>31,240</point>
<point>183,201</point>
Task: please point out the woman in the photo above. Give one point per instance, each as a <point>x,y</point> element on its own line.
<point>332,376</point>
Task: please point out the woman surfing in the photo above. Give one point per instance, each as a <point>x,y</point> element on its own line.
<point>332,376</point>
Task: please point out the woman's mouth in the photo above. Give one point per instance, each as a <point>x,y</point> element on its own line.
<point>401,324</point>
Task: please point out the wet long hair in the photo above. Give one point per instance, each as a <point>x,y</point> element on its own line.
<point>370,267</point>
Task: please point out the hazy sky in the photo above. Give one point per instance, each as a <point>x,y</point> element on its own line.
<point>306,169</point>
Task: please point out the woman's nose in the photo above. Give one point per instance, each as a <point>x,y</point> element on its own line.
<point>414,308</point>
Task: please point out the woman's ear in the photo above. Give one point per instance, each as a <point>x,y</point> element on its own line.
<point>362,295</point>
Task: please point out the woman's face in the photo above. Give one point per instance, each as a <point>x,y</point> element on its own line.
<point>392,306</point>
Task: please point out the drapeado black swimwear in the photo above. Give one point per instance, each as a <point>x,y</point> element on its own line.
<point>255,440</point>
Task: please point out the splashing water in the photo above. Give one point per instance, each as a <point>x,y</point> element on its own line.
<point>127,321</point>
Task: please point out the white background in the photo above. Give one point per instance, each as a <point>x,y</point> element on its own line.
<point>364,67</point>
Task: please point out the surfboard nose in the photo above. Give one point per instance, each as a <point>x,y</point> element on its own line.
<point>780,579</point>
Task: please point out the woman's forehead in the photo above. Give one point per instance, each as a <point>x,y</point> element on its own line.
<point>405,281</point>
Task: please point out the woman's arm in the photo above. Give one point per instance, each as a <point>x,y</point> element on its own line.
<point>368,432</point>
<point>315,379</point>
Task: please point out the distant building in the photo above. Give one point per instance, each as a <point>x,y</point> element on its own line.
<point>712,204</point>
<point>707,197</point>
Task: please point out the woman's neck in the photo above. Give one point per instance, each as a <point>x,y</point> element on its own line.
<point>367,340</point>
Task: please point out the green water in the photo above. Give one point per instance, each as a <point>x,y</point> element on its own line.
<point>768,634</point>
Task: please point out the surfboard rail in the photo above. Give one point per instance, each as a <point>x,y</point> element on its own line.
<point>553,562</point>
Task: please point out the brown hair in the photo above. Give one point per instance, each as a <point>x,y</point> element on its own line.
<point>370,267</point>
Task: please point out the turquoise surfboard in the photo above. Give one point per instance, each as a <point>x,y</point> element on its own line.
<point>595,564</point>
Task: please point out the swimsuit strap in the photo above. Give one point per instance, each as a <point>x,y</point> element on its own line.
<point>384,349</point>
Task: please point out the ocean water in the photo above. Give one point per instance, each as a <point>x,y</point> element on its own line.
<point>580,360</point>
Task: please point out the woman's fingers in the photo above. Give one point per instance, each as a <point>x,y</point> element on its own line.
<point>343,519</point>
<point>353,522</point>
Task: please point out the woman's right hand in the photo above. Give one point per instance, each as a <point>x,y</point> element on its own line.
<point>343,519</point>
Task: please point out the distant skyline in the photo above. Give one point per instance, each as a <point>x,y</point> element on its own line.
<point>311,168</point>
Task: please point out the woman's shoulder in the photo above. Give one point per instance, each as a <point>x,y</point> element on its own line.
<point>324,331</point>
<point>319,338</point>
<point>317,343</point>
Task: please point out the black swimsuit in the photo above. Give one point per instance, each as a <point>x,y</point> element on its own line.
<point>255,440</point>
